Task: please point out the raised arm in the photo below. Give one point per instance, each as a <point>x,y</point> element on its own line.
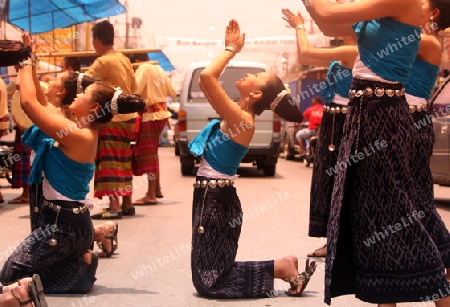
<point>39,92</point>
<point>328,14</point>
<point>57,127</point>
<point>219,100</point>
<point>310,55</point>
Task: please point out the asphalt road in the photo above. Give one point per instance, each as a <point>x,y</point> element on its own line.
<point>152,265</point>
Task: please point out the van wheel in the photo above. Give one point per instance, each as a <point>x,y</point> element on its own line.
<point>269,169</point>
<point>177,149</point>
<point>187,169</point>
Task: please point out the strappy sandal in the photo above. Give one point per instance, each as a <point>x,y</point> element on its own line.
<point>113,239</point>
<point>37,291</point>
<point>303,278</point>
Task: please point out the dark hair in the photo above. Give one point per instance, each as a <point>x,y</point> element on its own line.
<point>104,92</point>
<point>317,99</point>
<point>71,86</point>
<point>104,31</point>
<point>73,62</point>
<point>286,108</point>
<point>443,20</point>
<point>138,57</point>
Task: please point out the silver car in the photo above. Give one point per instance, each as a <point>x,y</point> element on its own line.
<point>440,115</point>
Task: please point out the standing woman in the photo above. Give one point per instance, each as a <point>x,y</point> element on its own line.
<point>215,273</point>
<point>374,188</point>
<point>62,255</point>
<point>418,89</point>
<point>339,80</point>
<point>155,87</point>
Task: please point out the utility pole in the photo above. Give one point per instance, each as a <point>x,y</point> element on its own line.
<point>127,26</point>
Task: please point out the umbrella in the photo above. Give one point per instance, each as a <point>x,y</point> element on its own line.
<point>38,16</point>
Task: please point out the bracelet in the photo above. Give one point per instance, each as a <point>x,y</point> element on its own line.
<point>299,27</point>
<point>26,62</point>
<point>231,49</point>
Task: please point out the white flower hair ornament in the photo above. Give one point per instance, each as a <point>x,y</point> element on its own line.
<point>277,100</point>
<point>114,108</point>
<point>79,86</point>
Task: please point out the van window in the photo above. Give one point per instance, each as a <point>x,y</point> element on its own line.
<point>227,79</point>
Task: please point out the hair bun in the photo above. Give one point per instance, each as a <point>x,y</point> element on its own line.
<point>12,52</point>
<point>288,110</point>
<point>129,103</point>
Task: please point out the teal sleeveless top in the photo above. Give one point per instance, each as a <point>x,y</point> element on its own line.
<point>66,176</point>
<point>223,154</point>
<point>388,47</point>
<point>422,80</point>
<point>339,81</point>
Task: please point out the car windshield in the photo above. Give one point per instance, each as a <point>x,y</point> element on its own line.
<point>227,80</point>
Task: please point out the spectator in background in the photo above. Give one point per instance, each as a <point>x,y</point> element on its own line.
<point>70,64</point>
<point>20,167</point>
<point>314,115</point>
<point>154,86</point>
<point>113,174</point>
<point>4,120</point>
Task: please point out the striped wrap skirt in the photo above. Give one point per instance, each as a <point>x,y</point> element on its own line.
<point>113,174</point>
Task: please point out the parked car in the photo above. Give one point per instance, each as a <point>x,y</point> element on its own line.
<point>195,113</point>
<point>300,90</point>
<point>440,116</point>
<point>288,140</point>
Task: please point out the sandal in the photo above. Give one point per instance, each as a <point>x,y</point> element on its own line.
<point>303,278</point>
<point>113,239</point>
<point>37,291</point>
<point>316,254</point>
<point>107,214</point>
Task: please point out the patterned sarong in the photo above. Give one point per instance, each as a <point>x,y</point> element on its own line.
<point>20,168</point>
<point>215,272</point>
<point>378,247</point>
<point>145,152</point>
<point>113,174</point>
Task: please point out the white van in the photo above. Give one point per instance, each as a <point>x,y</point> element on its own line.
<point>195,113</point>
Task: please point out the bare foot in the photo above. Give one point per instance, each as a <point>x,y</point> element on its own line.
<point>102,235</point>
<point>20,293</point>
<point>320,252</point>
<point>286,268</point>
<point>145,201</point>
